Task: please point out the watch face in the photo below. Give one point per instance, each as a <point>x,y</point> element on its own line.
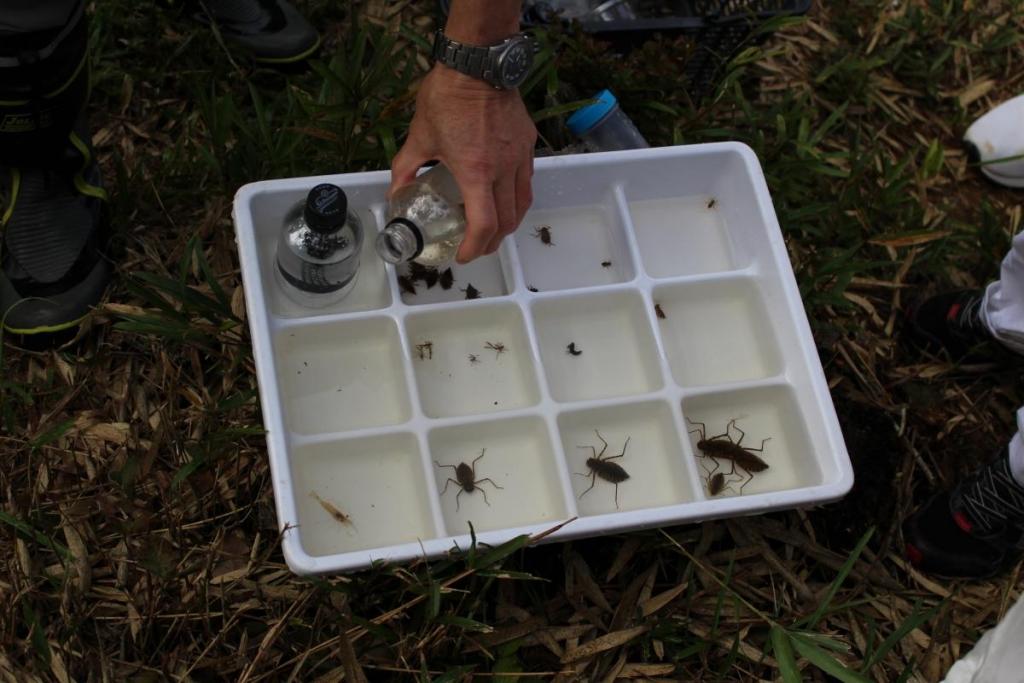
<point>516,63</point>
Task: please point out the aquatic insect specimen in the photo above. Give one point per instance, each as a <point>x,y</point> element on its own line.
<point>407,284</point>
<point>473,360</point>
<point>471,292</point>
<point>722,447</point>
<point>712,203</point>
<point>447,278</point>
<point>601,467</point>
<point>532,289</point>
<point>334,512</point>
<point>660,313</point>
<point>465,479</point>
<point>543,233</point>
<point>573,351</point>
<point>426,350</point>
<point>497,347</point>
<point>427,275</point>
<point>606,264</point>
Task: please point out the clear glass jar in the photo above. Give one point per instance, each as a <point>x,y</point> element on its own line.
<point>425,221</point>
<point>604,127</point>
<point>318,251</point>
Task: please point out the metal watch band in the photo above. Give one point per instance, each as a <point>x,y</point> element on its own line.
<point>472,60</point>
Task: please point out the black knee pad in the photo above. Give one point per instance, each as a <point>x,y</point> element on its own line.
<point>44,77</point>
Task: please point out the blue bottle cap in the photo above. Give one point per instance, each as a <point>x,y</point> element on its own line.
<point>585,118</point>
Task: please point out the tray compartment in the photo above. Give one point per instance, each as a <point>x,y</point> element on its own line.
<point>654,459</point>
<point>490,275</point>
<point>618,358</point>
<point>582,239</point>
<point>767,411</point>
<point>376,481</point>
<point>681,236</point>
<point>341,376</point>
<point>449,382</point>
<point>518,456</point>
<point>717,331</point>
<point>372,290</point>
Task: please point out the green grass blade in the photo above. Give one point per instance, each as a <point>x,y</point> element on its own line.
<point>27,530</point>
<point>844,571</point>
<point>826,662</point>
<point>783,650</point>
<point>913,621</point>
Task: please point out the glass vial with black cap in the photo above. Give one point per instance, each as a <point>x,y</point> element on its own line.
<point>425,221</point>
<point>318,251</point>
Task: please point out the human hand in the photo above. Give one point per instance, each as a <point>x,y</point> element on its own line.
<point>486,138</point>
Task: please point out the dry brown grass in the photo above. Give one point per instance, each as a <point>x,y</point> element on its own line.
<point>138,527</point>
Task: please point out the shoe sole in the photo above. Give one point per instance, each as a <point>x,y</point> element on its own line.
<point>294,59</point>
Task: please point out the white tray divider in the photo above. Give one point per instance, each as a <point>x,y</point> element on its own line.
<point>622,207</point>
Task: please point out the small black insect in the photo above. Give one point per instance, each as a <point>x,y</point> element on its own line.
<point>471,292</point>
<point>407,284</point>
<point>712,203</point>
<point>532,289</point>
<point>473,360</point>
<point>465,479</point>
<point>497,347</point>
<point>447,279</point>
<point>430,277</point>
<point>573,351</point>
<point>417,271</point>
<point>660,313</point>
<point>606,264</point>
<point>543,233</point>
<point>600,467</point>
<point>426,350</point>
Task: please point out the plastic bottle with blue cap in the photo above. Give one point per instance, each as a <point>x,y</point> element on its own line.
<point>604,127</point>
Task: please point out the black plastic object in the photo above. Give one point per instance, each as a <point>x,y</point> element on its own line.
<point>326,207</point>
<point>717,27</point>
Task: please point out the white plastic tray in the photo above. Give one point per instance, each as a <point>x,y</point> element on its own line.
<point>356,419</point>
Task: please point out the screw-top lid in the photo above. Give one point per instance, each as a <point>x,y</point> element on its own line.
<point>326,207</point>
<point>586,117</point>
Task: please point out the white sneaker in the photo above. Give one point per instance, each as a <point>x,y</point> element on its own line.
<point>999,134</point>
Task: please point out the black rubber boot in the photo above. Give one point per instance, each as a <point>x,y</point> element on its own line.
<point>52,270</point>
<point>951,323</point>
<point>272,31</point>
<point>52,267</point>
<point>973,531</point>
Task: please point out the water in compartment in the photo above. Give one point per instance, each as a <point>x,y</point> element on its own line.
<point>360,494</point>
<point>770,413</point>
<point>613,351</point>
<point>370,292</point>
<point>471,361</point>
<point>342,376</point>
<point>482,278</point>
<point>653,458</point>
<point>681,236</point>
<point>583,246</point>
<point>717,332</point>
<point>515,455</point>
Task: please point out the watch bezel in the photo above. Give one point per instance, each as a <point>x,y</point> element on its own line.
<point>519,42</point>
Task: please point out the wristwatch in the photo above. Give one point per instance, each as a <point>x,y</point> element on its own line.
<point>504,65</point>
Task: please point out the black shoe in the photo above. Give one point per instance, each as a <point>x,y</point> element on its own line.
<point>52,267</point>
<point>271,30</point>
<point>950,322</point>
<point>974,531</point>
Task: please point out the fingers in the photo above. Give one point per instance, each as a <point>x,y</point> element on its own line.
<point>407,162</point>
<point>481,220</point>
<point>508,217</point>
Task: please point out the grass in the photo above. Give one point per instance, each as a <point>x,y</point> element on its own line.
<point>137,516</point>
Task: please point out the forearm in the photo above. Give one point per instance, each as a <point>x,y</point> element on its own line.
<point>483,22</point>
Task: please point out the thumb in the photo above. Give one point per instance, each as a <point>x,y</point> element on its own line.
<point>407,162</point>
